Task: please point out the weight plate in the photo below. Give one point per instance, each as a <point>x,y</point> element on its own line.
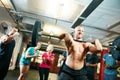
<point>36,27</point>
<point>115,51</point>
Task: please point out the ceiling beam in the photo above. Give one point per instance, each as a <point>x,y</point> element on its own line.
<point>110,39</point>
<point>113,32</point>
<point>13,5</point>
<point>39,33</point>
<point>114,25</point>
<point>35,16</point>
<point>30,14</point>
<point>91,7</point>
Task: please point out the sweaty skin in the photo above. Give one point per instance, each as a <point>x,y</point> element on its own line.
<point>77,50</point>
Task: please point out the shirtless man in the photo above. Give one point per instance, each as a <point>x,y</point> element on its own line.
<point>74,66</point>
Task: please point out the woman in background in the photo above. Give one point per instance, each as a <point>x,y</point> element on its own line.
<point>31,52</point>
<point>45,65</point>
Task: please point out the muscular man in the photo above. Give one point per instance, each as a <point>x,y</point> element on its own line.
<point>7,44</point>
<point>74,65</point>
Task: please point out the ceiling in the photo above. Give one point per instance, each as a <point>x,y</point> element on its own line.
<point>100,17</point>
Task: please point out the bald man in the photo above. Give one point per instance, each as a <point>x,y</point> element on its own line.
<point>74,65</point>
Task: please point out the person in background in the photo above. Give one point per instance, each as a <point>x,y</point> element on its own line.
<point>64,56</point>
<point>92,61</point>
<point>111,65</point>
<point>7,44</point>
<point>31,52</point>
<point>45,65</point>
<point>74,65</point>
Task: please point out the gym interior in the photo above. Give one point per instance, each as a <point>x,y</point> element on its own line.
<point>45,20</point>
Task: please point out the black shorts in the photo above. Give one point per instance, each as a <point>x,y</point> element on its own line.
<point>71,74</point>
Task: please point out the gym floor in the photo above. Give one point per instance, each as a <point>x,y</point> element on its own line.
<point>32,75</point>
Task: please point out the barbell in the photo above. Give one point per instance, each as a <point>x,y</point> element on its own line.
<point>115,47</point>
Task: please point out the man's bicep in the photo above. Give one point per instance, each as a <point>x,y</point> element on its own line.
<point>92,48</point>
<point>67,37</point>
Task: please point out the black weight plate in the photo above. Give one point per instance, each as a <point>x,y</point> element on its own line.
<point>115,51</point>
<point>36,27</point>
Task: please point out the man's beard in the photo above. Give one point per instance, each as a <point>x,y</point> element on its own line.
<point>79,36</point>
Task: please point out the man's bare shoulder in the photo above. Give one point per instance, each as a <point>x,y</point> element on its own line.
<point>87,44</point>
